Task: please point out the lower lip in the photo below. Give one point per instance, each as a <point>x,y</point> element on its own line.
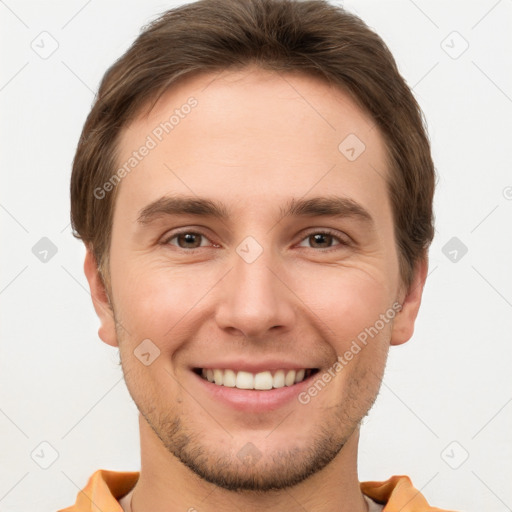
<point>252,400</point>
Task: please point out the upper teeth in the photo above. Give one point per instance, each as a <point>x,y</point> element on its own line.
<point>247,380</point>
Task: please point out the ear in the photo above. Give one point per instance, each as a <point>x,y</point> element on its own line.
<point>107,330</point>
<point>403,324</point>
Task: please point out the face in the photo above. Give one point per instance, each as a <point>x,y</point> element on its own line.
<point>254,276</point>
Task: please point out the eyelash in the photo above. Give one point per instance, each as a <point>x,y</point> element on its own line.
<point>342,242</point>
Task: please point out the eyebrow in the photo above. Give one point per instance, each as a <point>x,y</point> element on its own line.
<point>327,206</point>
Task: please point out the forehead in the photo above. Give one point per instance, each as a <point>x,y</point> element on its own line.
<point>242,135</point>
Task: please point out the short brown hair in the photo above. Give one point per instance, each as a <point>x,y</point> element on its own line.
<point>313,37</point>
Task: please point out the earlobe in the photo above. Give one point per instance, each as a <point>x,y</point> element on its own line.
<point>101,303</point>
<point>403,325</point>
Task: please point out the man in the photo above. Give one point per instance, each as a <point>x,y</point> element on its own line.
<point>254,188</point>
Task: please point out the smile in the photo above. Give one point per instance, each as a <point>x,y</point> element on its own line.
<point>266,380</point>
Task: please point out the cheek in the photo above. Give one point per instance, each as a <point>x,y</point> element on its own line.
<point>153,301</point>
<point>153,307</point>
<point>347,300</point>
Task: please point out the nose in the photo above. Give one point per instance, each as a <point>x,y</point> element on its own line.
<point>254,298</point>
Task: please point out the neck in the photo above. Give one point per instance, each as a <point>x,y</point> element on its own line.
<point>166,484</point>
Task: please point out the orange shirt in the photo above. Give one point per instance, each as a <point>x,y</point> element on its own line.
<point>104,488</point>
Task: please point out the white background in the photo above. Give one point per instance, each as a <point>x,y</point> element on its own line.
<point>61,385</point>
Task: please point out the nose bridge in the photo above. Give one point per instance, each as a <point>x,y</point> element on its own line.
<point>254,299</point>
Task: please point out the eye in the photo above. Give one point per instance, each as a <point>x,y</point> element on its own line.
<point>324,240</point>
<point>187,240</point>
<point>191,240</point>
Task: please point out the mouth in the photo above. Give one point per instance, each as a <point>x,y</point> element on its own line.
<point>261,381</point>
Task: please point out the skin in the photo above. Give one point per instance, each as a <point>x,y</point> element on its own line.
<point>255,140</point>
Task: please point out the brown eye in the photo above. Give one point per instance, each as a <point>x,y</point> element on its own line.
<point>323,240</point>
<point>186,240</point>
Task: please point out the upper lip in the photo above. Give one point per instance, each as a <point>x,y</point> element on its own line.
<point>254,366</point>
